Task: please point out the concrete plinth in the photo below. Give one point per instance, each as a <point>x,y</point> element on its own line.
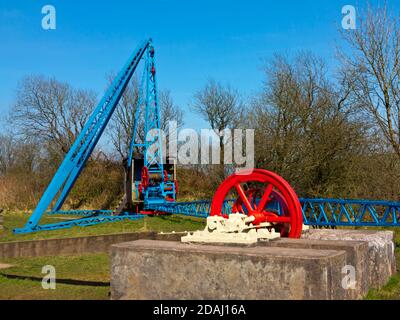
<point>146,269</point>
<point>381,260</point>
<point>356,256</point>
<point>283,269</point>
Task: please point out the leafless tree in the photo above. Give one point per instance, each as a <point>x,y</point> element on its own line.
<point>18,156</point>
<point>50,112</point>
<point>372,70</point>
<point>169,111</point>
<point>219,105</point>
<point>304,126</point>
<point>122,121</point>
<point>7,154</point>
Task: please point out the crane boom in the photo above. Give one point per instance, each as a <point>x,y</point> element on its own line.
<point>80,151</point>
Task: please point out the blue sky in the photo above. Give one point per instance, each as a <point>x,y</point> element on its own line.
<point>194,40</point>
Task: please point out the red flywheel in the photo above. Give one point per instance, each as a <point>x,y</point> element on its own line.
<point>264,195</point>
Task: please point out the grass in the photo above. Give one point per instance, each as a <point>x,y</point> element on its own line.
<point>391,291</point>
<point>83,277</point>
<point>170,223</point>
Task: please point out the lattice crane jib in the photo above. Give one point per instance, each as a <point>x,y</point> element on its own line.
<point>75,160</point>
<point>155,186</point>
<point>153,155</point>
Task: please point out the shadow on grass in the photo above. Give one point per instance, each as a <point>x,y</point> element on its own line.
<point>63,281</point>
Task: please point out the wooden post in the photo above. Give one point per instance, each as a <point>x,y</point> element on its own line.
<point>1,219</point>
<point>128,186</point>
<point>174,169</point>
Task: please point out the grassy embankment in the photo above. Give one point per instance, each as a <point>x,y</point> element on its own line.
<point>158,223</point>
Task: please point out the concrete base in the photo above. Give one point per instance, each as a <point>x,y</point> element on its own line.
<point>380,260</point>
<point>356,255</point>
<point>282,269</point>
<point>77,245</point>
<point>146,269</point>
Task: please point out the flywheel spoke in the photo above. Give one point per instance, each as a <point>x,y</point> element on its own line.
<point>265,198</point>
<point>244,198</point>
<point>278,219</point>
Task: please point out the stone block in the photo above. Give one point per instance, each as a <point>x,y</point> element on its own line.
<point>147,269</point>
<point>381,260</point>
<point>356,256</point>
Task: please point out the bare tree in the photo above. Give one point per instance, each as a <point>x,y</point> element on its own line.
<point>372,69</point>
<point>222,108</point>
<point>219,105</point>
<point>7,153</point>
<point>169,111</point>
<point>304,126</point>
<point>18,157</point>
<point>122,121</point>
<point>50,112</point>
